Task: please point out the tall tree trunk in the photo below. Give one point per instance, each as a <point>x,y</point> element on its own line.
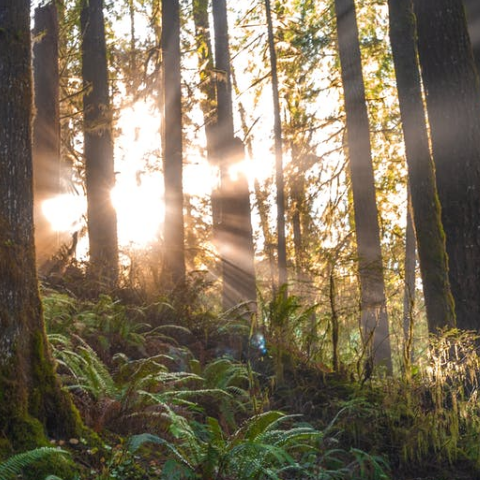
<point>472,9</point>
<point>235,230</point>
<point>453,105</point>
<point>31,399</point>
<point>208,103</point>
<point>261,195</point>
<point>409,287</point>
<point>99,167</point>
<point>279,178</point>
<point>46,126</point>
<point>174,233</point>
<point>426,207</point>
<point>373,304</point>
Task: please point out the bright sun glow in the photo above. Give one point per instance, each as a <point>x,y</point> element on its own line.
<point>138,193</point>
<point>140,210</point>
<point>64,212</point>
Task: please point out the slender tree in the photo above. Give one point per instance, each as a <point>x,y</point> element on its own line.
<point>373,304</point>
<point>409,285</point>
<point>453,105</point>
<point>46,126</point>
<point>235,230</point>
<point>208,104</point>
<point>426,207</point>
<point>31,400</point>
<point>261,195</point>
<point>174,235</point>
<point>99,167</point>
<point>279,177</point>
<point>472,8</point>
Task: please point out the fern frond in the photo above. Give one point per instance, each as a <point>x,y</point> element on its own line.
<point>14,465</point>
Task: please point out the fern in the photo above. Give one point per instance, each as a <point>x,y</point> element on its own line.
<point>14,465</point>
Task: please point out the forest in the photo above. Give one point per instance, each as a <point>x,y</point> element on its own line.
<point>239,240</point>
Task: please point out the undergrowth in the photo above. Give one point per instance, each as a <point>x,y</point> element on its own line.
<point>178,393</point>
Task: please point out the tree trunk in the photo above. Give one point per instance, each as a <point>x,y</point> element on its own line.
<point>472,9</point>
<point>453,105</point>
<point>174,234</point>
<point>279,178</point>
<point>99,167</point>
<point>409,287</point>
<point>373,304</point>
<point>235,230</point>
<point>208,103</point>
<point>31,400</point>
<point>46,126</point>
<point>426,207</point>
<point>261,196</point>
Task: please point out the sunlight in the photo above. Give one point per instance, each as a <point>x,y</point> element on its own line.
<point>140,209</point>
<point>64,212</point>
<point>261,168</point>
<point>139,188</point>
<point>138,192</point>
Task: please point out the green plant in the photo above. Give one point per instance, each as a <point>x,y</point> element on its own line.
<point>259,449</point>
<point>12,467</point>
<point>288,325</point>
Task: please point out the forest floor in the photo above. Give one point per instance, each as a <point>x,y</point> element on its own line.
<point>186,393</point>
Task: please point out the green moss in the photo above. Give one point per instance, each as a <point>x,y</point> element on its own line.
<point>27,433</point>
<point>47,401</point>
<point>58,465</point>
<point>6,449</point>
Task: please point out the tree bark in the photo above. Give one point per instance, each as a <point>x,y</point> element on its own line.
<point>453,105</point>
<point>208,103</point>
<point>279,177</point>
<point>99,166</point>
<point>174,230</point>
<point>374,318</point>
<point>409,287</point>
<point>235,229</point>
<point>472,9</point>
<point>31,400</point>
<point>261,196</point>
<point>46,126</point>
<point>426,207</point>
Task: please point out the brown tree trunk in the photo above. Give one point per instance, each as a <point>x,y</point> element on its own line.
<point>374,318</point>
<point>409,287</point>
<point>99,167</point>
<point>472,9</point>
<point>235,229</point>
<point>174,233</point>
<point>453,105</point>
<point>261,197</point>
<point>279,178</point>
<point>426,207</point>
<point>208,103</point>
<point>31,400</point>
<point>46,126</point>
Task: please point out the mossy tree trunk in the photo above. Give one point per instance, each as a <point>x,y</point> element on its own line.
<point>99,167</point>
<point>174,231</point>
<point>453,105</point>
<point>32,403</point>
<point>46,126</point>
<point>426,207</point>
<point>374,318</point>
<point>235,229</point>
